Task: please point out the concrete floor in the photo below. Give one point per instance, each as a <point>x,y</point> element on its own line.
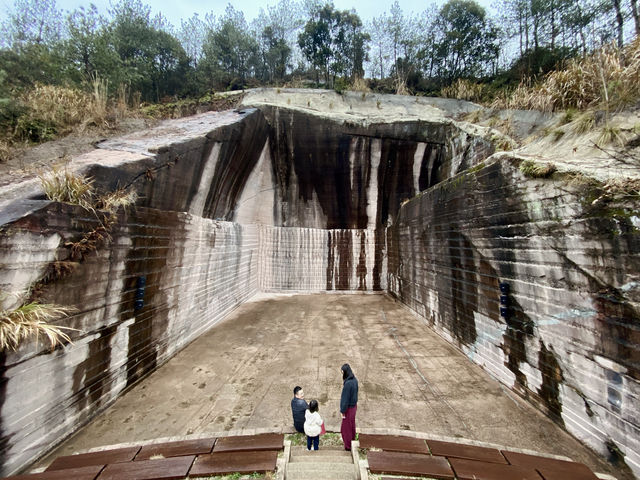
<point>240,375</point>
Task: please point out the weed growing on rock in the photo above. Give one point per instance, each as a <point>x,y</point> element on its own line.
<point>32,320</point>
<point>584,122</point>
<point>532,169</point>
<point>610,135</point>
<point>67,187</point>
<point>474,116</point>
<point>557,134</point>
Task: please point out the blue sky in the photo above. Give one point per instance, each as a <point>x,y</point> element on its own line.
<point>175,10</point>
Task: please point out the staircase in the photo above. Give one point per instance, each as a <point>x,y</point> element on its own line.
<point>328,463</point>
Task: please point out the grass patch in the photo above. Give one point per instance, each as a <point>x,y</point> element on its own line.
<point>473,117</point>
<point>463,89</point>
<point>567,117</point>
<point>532,169</point>
<point>609,79</point>
<point>557,134</point>
<point>67,187</point>
<point>32,320</point>
<point>585,122</point>
<point>610,135</point>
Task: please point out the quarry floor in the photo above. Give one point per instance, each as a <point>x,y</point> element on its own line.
<point>240,376</point>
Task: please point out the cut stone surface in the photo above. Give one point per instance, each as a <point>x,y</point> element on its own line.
<point>400,463</point>
<point>393,443</point>
<point>256,343</point>
<point>177,449</point>
<point>471,452</point>
<point>83,473</point>
<point>551,468</point>
<point>94,458</point>
<point>265,441</point>
<point>323,455</point>
<point>474,470</point>
<point>234,462</point>
<point>320,471</point>
<point>162,469</point>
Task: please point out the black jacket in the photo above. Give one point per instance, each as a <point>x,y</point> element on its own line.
<point>349,397</point>
<point>298,407</point>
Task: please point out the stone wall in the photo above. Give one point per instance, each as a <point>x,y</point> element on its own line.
<point>308,259</point>
<point>196,270</point>
<point>569,340</point>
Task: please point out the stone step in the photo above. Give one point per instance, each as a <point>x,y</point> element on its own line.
<point>327,451</point>
<point>311,457</point>
<point>320,471</point>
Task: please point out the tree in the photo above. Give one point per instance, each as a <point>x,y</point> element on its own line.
<point>87,49</point>
<point>151,59</point>
<point>33,22</point>
<point>467,40</point>
<point>380,57</point>
<point>230,51</point>
<point>192,34</point>
<point>334,42</point>
<point>275,55</point>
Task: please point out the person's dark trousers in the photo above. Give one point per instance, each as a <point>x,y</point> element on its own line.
<point>299,428</point>
<point>315,440</point>
<point>348,427</point>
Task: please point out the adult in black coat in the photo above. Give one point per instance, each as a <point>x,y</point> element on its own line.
<point>348,406</point>
<point>298,407</point>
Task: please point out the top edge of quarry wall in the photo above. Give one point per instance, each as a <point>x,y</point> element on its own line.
<point>137,149</point>
<point>176,131</point>
<point>362,106</point>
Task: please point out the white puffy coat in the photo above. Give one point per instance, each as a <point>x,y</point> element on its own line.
<point>312,423</point>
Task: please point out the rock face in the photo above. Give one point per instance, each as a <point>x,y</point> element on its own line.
<point>280,197</point>
<point>568,340</point>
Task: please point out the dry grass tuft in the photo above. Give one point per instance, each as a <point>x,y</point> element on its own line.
<point>473,117</point>
<point>401,87</point>
<point>463,89</point>
<point>531,169</point>
<point>59,107</point>
<point>112,201</point>
<point>360,85</point>
<point>97,111</point>
<point>610,135</point>
<point>585,122</point>
<point>608,79</point>
<point>67,187</point>
<point>32,320</point>
<point>5,151</point>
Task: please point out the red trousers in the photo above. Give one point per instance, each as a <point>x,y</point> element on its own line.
<point>348,427</point>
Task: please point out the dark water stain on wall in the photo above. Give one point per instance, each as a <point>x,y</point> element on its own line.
<point>5,438</point>
<point>92,378</point>
<point>617,319</point>
<point>340,260</point>
<point>552,378</point>
<point>395,177</point>
<point>464,294</point>
<point>151,235</point>
<point>241,146</point>
<point>361,269</point>
<point>431,168</point>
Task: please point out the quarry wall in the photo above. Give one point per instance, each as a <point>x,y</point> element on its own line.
<point>569,339</point>
<point>279,199</point>
<point>195,272</point>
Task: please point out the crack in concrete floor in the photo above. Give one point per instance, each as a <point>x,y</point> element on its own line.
<point>240,375</point>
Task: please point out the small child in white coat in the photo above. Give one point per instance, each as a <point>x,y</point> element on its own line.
<point>312,425</point>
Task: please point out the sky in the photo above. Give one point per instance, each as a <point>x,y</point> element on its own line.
<point>174,10</point>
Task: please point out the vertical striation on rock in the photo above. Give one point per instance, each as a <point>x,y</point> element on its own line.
<point>568,333</point>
